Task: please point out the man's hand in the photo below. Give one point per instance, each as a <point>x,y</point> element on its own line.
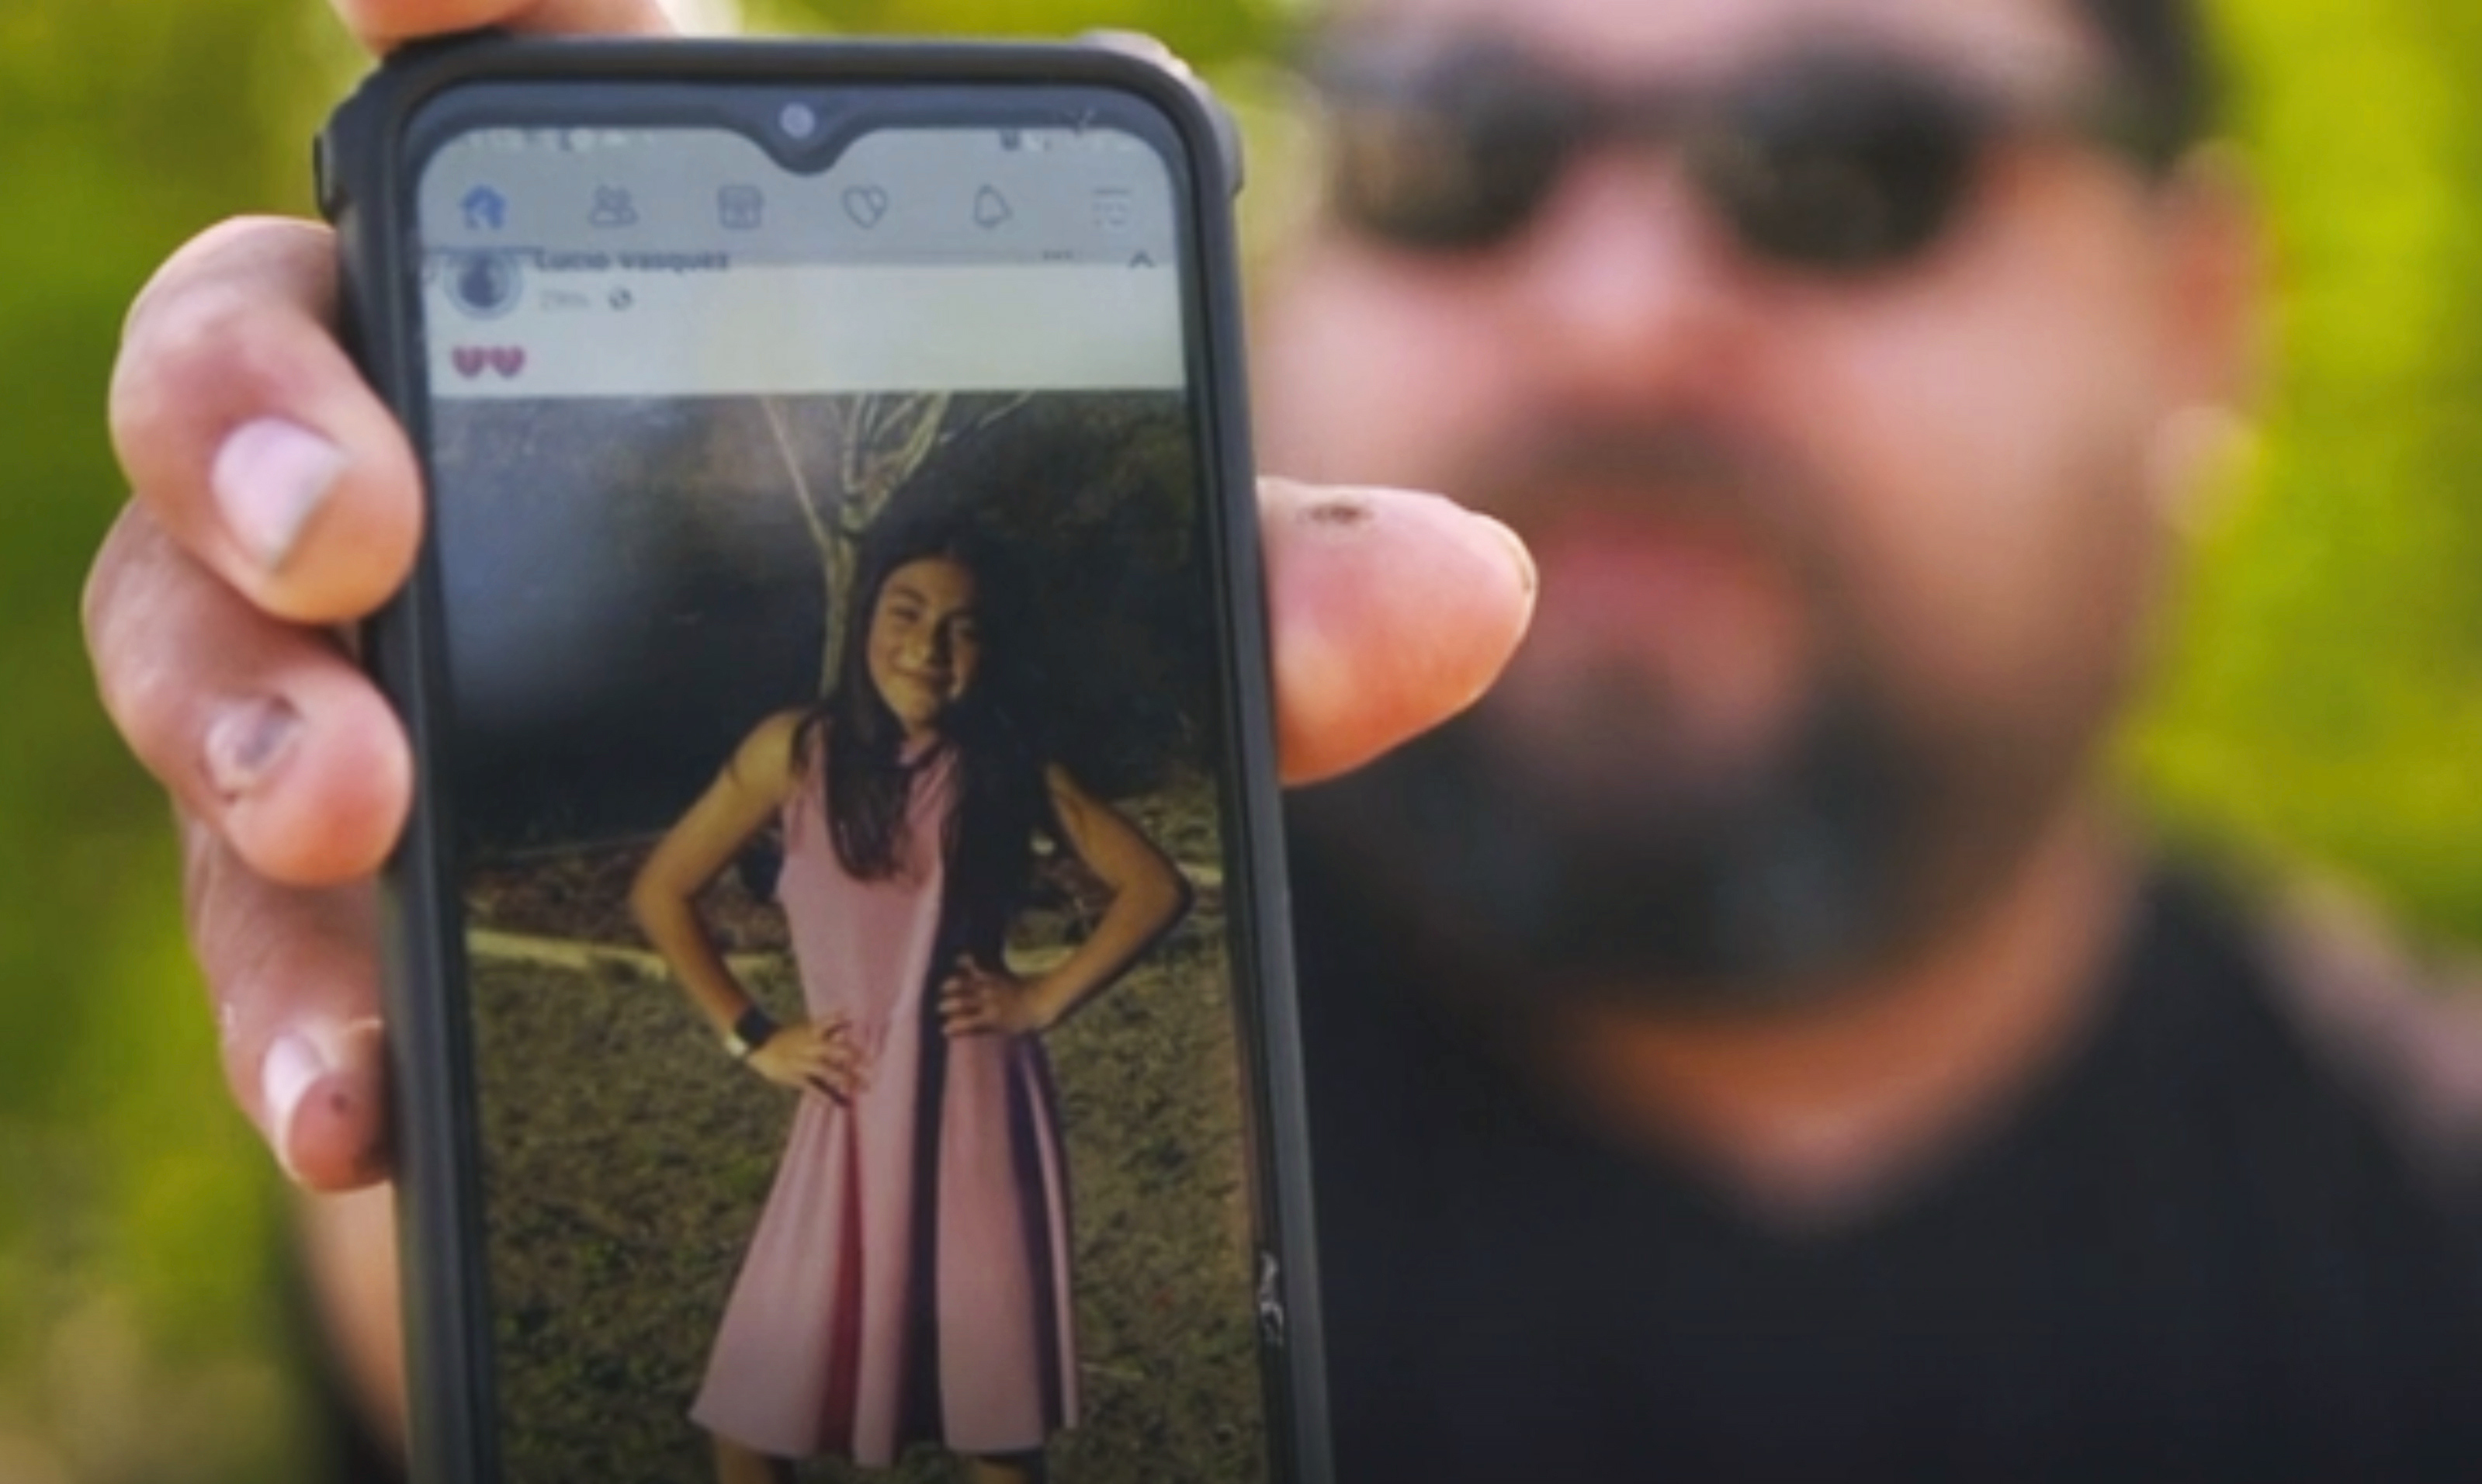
<point>383,25</point>
<point>276,499</point>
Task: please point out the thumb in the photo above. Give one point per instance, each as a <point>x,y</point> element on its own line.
<point>1391,612</point>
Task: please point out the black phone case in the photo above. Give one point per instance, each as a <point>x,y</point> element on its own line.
<point>365,179</point>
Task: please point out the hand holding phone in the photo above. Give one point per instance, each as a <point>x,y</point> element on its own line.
<point>837,465</point>
<point>273,496</point>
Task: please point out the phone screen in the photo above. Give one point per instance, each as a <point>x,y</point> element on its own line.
<point>832,615</point>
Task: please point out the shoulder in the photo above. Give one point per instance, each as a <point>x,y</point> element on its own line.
<point>1078,810</point>
<point>2398,1032</point>
<point>1067,804</point>
<point>1063,786</point>
<point>767,758</point>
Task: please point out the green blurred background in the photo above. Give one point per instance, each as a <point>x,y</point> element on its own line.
<point>2321,701</point>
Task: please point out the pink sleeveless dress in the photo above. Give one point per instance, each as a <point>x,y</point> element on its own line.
<point>908,1280</point>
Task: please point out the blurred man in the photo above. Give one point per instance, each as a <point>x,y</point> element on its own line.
<point>1747,1046</point>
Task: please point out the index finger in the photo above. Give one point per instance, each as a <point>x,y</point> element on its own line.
<point>384,25</point>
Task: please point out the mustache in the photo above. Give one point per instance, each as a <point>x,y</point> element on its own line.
<point>1681,469</point>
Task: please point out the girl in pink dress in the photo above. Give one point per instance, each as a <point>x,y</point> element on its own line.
<point>908,1280</point>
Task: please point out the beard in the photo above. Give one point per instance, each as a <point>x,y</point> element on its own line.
<point>1730,889</point>
<point>1582,832</point>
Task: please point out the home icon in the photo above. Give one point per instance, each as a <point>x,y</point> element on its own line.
<point>486,210</point>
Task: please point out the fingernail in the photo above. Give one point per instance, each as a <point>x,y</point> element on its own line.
<point>1531,577</point>
<point>293,1065</point>
<point>269,479</point>
<point>245,742</point>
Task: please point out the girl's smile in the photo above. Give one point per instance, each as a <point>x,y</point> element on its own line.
<point>924,647</point>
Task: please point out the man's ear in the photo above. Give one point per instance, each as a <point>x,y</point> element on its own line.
<point>2214,326</point>
<point>2215,286</point>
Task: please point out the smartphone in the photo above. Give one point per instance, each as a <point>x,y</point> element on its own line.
<point>839,1006</point>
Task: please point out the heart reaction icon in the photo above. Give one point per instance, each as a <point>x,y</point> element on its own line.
<point>472,360</point>
<point>866,205</point>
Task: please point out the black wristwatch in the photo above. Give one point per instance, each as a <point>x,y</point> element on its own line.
<point>748,1033</point>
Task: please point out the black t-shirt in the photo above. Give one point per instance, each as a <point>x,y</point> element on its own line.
<point>2233,1235</point>
<point>2230,1235</point>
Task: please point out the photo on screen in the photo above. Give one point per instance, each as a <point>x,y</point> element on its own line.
<point>935,676</point>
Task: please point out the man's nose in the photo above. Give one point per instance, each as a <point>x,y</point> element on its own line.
<point>1627,283</point>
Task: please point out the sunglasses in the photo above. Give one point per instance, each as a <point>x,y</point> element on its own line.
<point>1830,160</point>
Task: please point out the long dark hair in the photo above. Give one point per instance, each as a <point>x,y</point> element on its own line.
<point>1002,799</point>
